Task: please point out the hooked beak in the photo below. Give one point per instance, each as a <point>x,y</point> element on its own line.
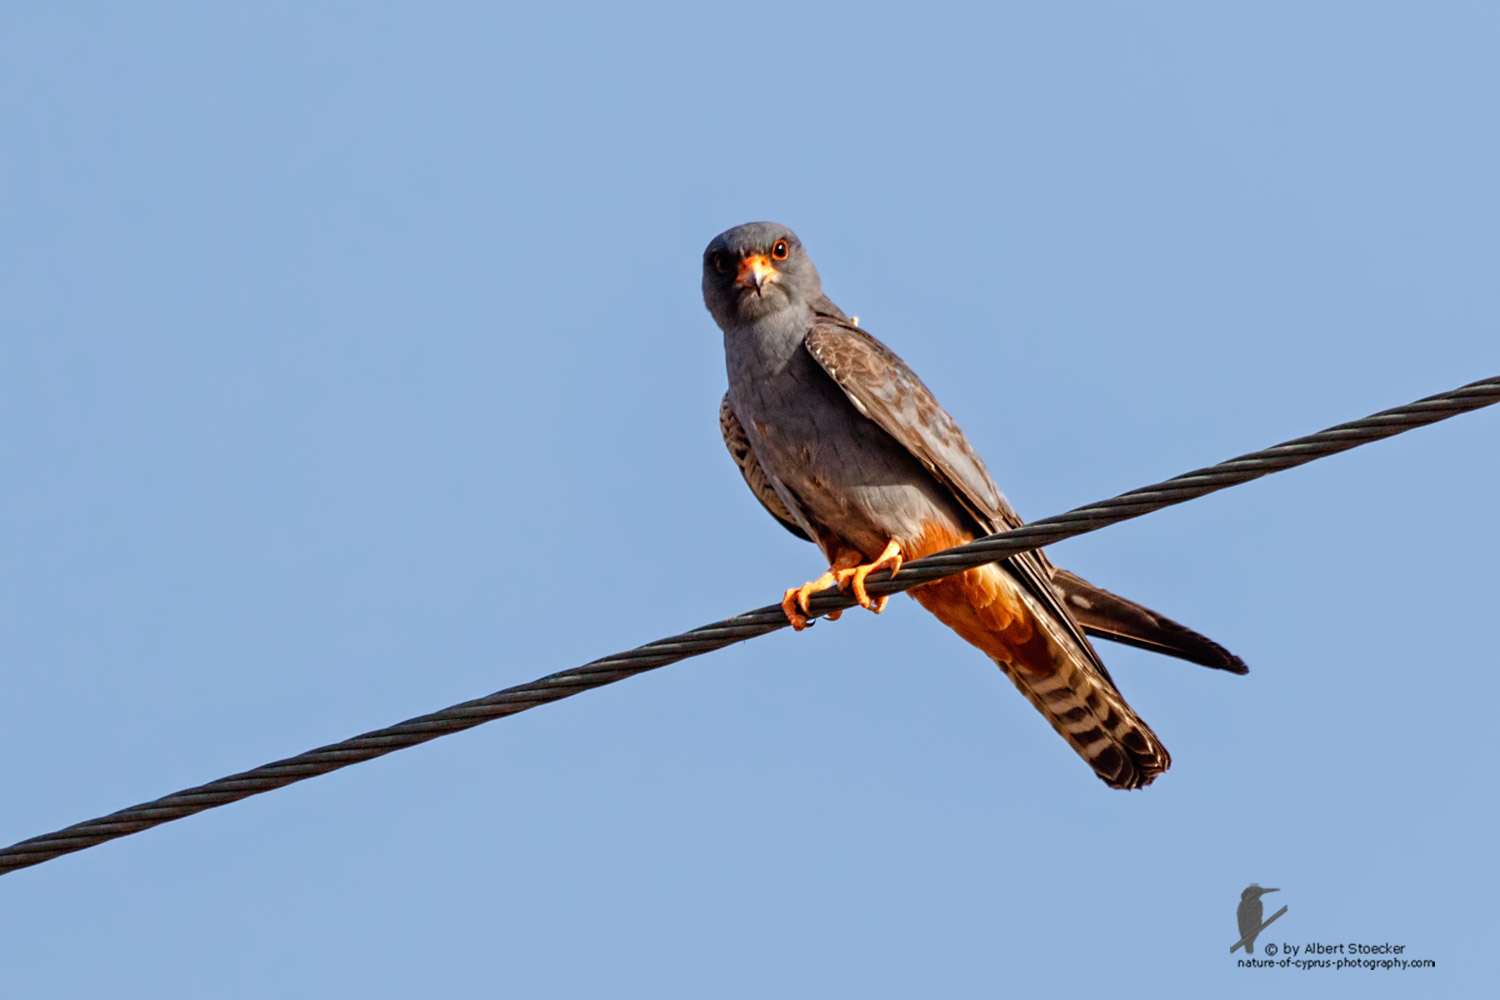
<point>756,272</point>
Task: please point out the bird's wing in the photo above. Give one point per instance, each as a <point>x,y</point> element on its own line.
<point>1248,916</point>
<point>738,443</point>
<point>883,388</point>
<point>1110,616</point>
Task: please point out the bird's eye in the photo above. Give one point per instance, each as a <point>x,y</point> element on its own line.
<point>721,263</point>
<point>779,250</point>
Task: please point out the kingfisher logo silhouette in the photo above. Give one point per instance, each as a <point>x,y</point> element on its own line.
<point>1249,914</point>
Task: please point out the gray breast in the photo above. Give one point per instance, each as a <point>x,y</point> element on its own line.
<point>826,459</point>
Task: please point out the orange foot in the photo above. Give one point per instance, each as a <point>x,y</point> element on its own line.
<point>890,559</point>
<point>796,597</point>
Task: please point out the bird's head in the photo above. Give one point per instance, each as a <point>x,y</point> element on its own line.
<point>754,270</point>
<point>1254,891</point>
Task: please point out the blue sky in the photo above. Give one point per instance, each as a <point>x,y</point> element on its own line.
<point>353,364</point>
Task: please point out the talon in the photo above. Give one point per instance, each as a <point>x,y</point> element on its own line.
<point>789,606</point>
<point>854,577</point>
<point>797,597</point>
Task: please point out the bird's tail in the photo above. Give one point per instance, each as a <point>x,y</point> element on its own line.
<point>989,609</point>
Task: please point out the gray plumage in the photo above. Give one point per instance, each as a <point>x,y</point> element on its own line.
<point>1103,615</point>
<point>845,446</point>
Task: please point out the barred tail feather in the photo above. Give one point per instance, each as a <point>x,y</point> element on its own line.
<point>1096,722</point>
<point>990,610</point>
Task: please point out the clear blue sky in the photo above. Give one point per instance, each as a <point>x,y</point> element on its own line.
<point>353,363</point>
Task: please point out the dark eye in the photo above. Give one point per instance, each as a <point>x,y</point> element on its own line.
<point>779,250</point>
<point>721,263</point>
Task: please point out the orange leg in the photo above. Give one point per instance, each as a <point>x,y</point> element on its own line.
<point>797,597</point>
<point>890,559</point>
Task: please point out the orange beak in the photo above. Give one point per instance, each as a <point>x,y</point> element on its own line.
<point>755,272</point>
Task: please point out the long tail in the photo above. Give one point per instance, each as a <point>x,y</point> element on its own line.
<point>989,609</point>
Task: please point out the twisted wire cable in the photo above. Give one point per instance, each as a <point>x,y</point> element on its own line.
<point>702,640</point>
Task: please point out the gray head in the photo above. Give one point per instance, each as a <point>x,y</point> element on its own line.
<point>1253,891</point>
<point>754,270</point>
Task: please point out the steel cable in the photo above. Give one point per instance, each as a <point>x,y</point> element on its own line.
<point>746,626</point>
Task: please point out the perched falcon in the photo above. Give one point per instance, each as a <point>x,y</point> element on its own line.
<point>842,442</point>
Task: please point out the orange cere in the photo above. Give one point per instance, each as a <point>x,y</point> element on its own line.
<point>982,605</point>
<point>755,264</point>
